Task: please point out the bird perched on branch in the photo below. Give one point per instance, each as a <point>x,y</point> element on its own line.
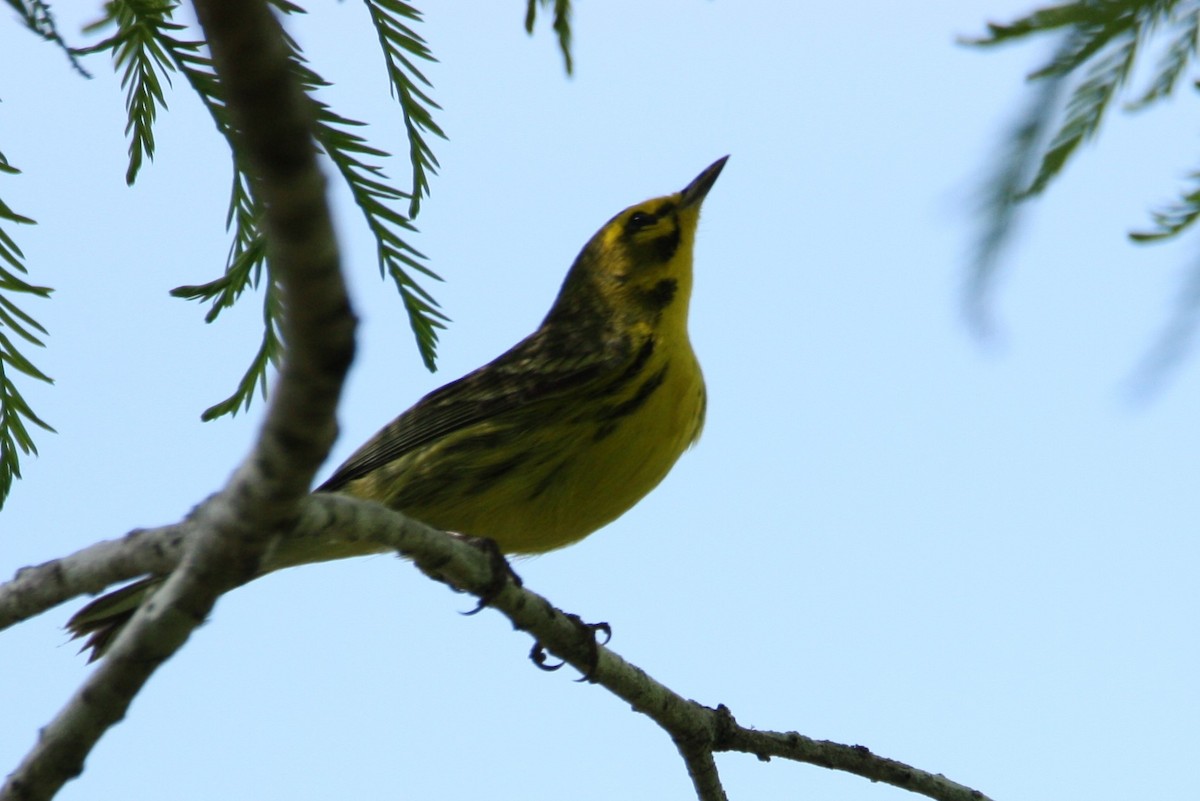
<point>553,439</point>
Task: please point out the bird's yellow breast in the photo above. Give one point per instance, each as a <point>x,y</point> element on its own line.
<point>615,463</point>
<point>574,469</point>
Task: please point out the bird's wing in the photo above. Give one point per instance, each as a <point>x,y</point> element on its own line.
<point>541,368</point>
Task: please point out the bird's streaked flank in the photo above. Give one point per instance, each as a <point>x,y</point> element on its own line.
<point>553,439</point>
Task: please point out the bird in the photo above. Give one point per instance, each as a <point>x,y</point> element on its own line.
<point>556,437</point>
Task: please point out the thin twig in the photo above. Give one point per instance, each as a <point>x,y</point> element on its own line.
<point>702,769</point>
<point>37,588</point>
<point>856,759</point>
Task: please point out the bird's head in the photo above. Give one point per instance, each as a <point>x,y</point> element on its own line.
<point>639,265</point>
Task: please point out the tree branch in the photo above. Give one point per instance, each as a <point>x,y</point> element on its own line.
<point>91,570</point>
<point>697,730</point>
<point>232,529</point>
<point>702,769</point>
<point>856,759</point>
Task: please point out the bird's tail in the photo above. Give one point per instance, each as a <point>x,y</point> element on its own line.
<point>102,619</point>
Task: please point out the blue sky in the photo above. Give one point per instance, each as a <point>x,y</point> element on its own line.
<point>977,558</point>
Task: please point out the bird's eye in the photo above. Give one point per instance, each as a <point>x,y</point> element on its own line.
<point>639,220</point>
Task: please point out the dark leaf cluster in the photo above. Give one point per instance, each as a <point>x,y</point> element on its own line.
<point>146,47</point>
<point>1099,42</point>
<point>15,413</point>
<point>561,12</point>
<point>37,17</point>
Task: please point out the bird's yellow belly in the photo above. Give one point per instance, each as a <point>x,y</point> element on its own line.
<point>577,475</point>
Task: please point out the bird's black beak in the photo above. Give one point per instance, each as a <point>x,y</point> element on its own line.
<point>694,192</point>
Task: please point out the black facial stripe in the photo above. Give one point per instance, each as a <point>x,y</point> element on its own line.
<point>644,218</point>
<point>638,221</point>
<point>660,296</point>
<point>663,248</point>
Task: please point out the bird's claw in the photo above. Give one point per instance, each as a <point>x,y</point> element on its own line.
<point>538,654</point>
<point>501,573</point>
